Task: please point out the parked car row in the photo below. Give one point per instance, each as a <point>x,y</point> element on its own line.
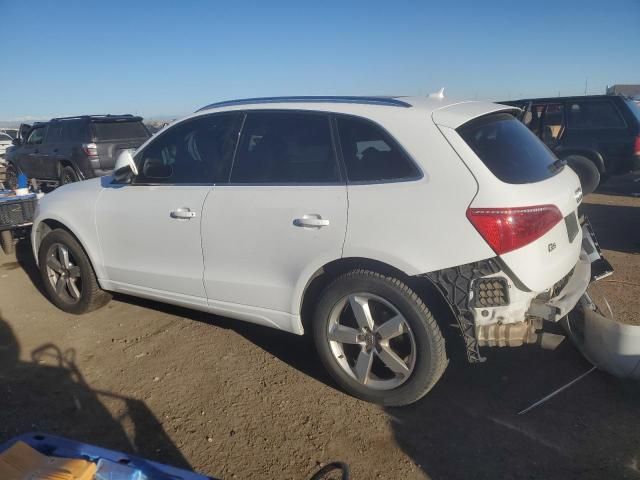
<point>350,218</point>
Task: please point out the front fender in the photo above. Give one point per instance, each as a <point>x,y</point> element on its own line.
<point>72,207</point>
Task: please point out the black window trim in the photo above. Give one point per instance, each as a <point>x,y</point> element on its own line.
<point>335,139</point>
<point>419,176</point>
<point>151,140</point>
<point>341,176</point>
<point>568,103</point>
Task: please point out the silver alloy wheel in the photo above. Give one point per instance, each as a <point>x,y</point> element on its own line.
<point>371,341</point>
<point>64,273</point>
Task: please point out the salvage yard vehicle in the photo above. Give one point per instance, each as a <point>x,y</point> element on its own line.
<point>597,135</point>
<point>348,217</point>
<point>65,150</point>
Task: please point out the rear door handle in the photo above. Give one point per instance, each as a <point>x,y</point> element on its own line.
<point>311,221</point>
<point>182,213</point>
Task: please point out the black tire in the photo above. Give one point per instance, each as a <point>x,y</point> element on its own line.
<point>91,296</point>
<point>6,241</point>
<point>68,175</point>
<point>11,176</point>
<point>430,354</point>
<point>587,172</point>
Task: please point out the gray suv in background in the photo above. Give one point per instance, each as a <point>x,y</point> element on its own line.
<point>65,150</point>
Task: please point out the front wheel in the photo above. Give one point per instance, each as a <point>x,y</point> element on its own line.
<point>378,339</point>
<point>67,274</point>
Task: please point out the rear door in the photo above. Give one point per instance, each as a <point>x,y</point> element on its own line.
<point>51,151</point>
<point>113,136</point>
<point>150,229</point>
<point>282,216</point>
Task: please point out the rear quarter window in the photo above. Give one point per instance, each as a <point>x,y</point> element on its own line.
<point>104,131</point>
<point>593,115</point>
<point>509,149</point>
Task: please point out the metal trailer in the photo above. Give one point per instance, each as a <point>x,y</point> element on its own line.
<point>16,212</point>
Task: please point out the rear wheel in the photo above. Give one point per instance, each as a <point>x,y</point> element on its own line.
<point>378,339</point>
<point>67,274</point>
<point>587,172</point>
<point>68,175</point>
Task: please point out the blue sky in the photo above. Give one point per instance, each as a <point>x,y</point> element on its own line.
<point>169,58</point>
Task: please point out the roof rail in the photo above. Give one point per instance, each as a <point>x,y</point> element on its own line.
<point>386,101</point>
<point>92,116</point>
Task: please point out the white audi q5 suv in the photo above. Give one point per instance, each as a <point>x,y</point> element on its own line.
<point>347,217</point>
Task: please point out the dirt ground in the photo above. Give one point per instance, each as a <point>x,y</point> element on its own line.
<point>234,400</point>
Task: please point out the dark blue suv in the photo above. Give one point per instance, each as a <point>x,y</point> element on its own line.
<point>598,135</point>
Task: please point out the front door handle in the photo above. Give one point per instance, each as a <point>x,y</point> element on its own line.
<point>182,213</point>
<point>311,221</point>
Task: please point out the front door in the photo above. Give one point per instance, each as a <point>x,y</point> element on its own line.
<point>31,152</point>
<point>282,216</point>
<point>150,229</point>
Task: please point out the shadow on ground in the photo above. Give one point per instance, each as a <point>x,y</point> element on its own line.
<point>617,227</point>
<point>468,426</point>
<point>49,394</point>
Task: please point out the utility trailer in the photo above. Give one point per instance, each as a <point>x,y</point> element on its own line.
<point>16,212</point>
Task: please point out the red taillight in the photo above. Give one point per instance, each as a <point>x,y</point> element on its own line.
<point>506,229</point>
<point>91,149</point>
<point>636,146</point>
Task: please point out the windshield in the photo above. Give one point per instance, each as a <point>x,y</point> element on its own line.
<point>4,137</point>
<point>509,149</point>
<point>119,130</point>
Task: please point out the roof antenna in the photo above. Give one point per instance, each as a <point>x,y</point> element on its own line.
<point>438,94</point>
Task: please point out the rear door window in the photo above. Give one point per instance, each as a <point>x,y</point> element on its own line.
<point>594,114</point>
<point>370,154</point>
<point>105,131</point>
<point>55,134</point>
<point>507,148</point>
<point>285,147</point>
<point>75,130</point>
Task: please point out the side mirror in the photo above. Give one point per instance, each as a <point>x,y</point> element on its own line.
<point>17,142</point>
<point>125,167</point>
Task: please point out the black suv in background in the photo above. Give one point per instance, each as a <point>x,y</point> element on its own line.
<point>65,150</point>
<point>598,135</point>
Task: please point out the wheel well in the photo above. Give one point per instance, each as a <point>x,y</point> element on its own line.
<point>46,226</point>
<point>423,286</point>
<point>65,163</point>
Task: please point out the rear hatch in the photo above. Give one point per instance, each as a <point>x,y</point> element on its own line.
<point>115,134</point>
<point>526,205</point>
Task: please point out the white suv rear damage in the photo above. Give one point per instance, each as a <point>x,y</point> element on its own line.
<point>526,209</point>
